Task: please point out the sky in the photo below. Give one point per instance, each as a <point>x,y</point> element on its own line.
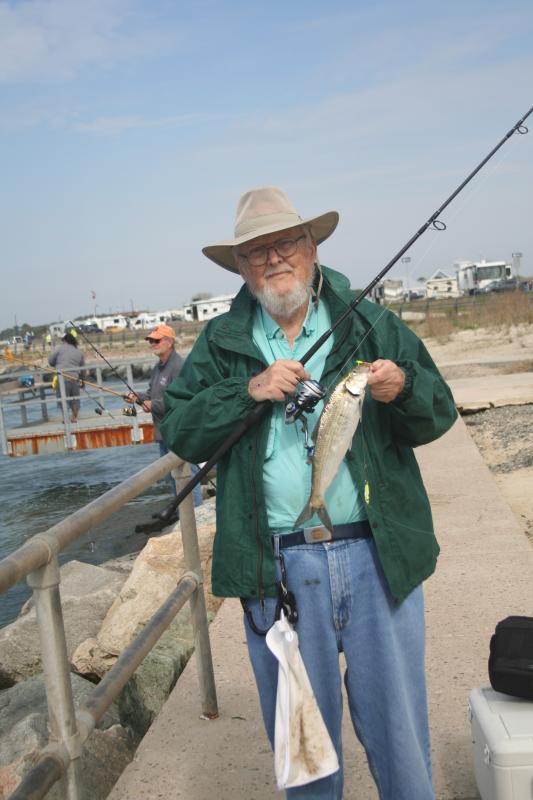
<point>130,128</point>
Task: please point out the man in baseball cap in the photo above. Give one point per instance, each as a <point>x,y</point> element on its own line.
<point>162,340</point>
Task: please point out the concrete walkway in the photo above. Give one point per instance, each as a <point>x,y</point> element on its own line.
<point>477,393</point>
<point>485,573</point>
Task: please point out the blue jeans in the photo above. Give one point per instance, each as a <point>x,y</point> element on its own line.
<point>196,492</point>
<point>344,605</point>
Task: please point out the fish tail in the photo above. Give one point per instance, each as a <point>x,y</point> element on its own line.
<point>324,516</point>
<point>305,515</point>
<point>309,510</point>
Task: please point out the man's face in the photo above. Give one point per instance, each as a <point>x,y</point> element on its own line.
<point>280,277</point>
<point>161,347</point>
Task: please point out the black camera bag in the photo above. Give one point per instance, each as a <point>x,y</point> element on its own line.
<point>511,657</point>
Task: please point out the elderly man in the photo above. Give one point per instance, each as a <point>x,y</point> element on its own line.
<point>359,592</point>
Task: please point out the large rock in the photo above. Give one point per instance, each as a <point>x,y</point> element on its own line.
<point>24,732</point>
<point>87,592</point>
<point>145,693</point>
<point>154,576</point>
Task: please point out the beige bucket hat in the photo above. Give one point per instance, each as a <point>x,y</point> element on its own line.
<point>267,210</point>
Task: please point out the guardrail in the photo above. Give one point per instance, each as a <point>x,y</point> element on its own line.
<point>439,306</point>
<point>37,561</point>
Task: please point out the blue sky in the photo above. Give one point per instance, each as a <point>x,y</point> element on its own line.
<point>129,129</point>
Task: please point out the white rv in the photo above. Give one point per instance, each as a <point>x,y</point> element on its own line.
<point>208,308</point>
<point>475,275</point>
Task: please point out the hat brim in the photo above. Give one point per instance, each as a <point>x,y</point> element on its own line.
<point>222,253</point>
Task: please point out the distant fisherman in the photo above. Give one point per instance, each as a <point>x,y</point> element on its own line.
<point>162,342</point>
<point>358,590</point>
<point>68,358</point>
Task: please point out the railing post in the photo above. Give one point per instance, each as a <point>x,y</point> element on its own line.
<point>136,434</point>
<point>44,407</point>
<point>70,441</point>
<point>101,394</point>
<point>23,409</point>
<point>61,715</point>
<point>191,552</point>
<point>3,436</point>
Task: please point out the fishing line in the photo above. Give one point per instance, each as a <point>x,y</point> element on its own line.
<point>93,399</point>
<point>475,189</point>
<point>98,353</point>
<point>433,221</point>
<point>48,368</point>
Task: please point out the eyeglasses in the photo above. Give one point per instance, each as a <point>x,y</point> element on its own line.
<point>153,341</point>
<point>285,248</point>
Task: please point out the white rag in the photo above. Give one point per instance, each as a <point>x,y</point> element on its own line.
<point>303,750</point>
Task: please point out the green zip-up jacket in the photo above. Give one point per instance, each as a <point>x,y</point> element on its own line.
<point>210,398</point>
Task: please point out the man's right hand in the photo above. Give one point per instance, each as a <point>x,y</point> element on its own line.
<point>130,397</point>
<point>277,381</point>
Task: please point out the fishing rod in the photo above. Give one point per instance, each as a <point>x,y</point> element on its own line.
<point>65,375</point>
<point>111,367</point>
<point>70,377</point>
<point>310,398</point>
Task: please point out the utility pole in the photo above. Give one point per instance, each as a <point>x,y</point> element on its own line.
<point>516,263</point>
<point>406,260</point>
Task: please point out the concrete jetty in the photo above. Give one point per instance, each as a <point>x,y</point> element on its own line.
<point>485,573</point>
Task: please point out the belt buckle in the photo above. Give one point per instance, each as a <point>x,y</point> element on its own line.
<point>318,533</point>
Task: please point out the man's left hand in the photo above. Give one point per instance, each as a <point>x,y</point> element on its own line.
<point>146,405</point>
<point>386,380</point>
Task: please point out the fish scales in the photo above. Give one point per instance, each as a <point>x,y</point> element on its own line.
<point>333,436</point>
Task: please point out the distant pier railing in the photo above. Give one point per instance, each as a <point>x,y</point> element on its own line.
<point>18,399</point>
<point>37,561</point>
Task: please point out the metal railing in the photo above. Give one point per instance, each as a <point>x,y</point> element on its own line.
<point>37,561</point>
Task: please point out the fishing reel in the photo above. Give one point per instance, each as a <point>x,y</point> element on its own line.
<point>129,411</point>
<point>304,401</point>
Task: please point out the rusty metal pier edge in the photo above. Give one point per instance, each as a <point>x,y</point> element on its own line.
<point>37,560</point>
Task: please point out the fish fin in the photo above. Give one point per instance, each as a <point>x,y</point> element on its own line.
<point>324,516</point>
<point>305,515</point>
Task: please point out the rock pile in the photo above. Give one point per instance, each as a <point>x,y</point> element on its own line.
<point>104,608</point>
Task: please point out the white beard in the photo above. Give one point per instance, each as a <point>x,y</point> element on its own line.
<point>284,305</point>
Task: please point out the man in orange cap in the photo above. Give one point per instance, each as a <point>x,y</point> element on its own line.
<point>162,342</point>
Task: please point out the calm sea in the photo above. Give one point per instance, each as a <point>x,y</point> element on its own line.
<point>39,491</point>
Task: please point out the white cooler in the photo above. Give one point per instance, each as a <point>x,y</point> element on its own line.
<point>502,734</point>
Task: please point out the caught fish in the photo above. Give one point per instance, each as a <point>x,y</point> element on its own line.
<point>332,437</point>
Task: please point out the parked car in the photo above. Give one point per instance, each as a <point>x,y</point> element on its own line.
<point>509,285</point>
<point>89,327</point>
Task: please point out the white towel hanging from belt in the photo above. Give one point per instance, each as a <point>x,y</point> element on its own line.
<point>303,750</point>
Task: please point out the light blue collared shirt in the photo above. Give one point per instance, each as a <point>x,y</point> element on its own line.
<point>286,471</point>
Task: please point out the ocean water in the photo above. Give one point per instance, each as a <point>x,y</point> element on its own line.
<point>38,491</point>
